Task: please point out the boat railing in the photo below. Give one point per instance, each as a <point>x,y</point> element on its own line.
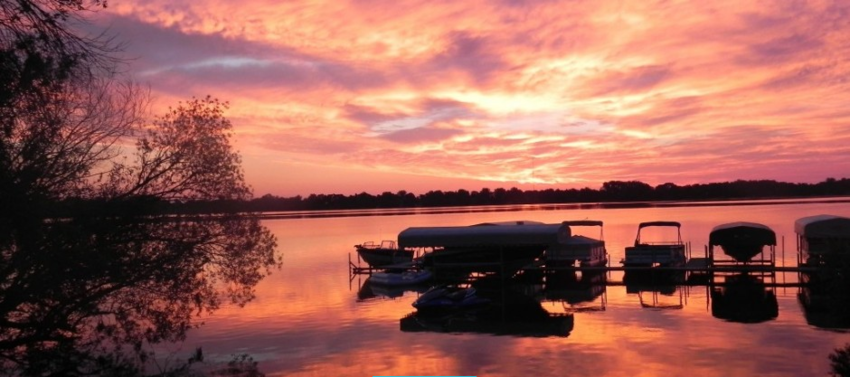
<point>388,244</point>
<point>385,244</point>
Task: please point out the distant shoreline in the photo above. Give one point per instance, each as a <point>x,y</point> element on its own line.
<point>308,214</point>
<point>612,194</point>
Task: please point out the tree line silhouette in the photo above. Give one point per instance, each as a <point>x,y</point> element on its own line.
<point>610,192</point>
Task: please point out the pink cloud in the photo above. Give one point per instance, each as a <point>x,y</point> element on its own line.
<point>510,91</point>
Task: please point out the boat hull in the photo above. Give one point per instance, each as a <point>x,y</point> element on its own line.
<point>380,257</point>
<point>654,255</point>
<point>742,252</point>
<point>443,299</point>
<point>587,251</point>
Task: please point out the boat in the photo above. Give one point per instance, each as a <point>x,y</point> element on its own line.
<point>445,298</point>
<point>664,253</point>
<point>822,239</point>
<point>742,240</point>
<point>410,277</point>
<point>384,254</point>
<point>587,251</point>
<point>486,247</point>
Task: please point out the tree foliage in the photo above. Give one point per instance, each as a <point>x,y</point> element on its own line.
<point>85,294</point>
<point>40,33</point>
<point>64,115</point>
<point>61,109</point>
<point>611,192</point>
<point>186,155</point>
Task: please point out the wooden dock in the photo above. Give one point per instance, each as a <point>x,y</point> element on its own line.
<point>696,265</point>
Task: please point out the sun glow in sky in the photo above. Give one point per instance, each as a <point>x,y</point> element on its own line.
<point>352,96</point>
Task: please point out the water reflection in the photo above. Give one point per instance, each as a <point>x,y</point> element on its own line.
<point>91,296</point>
<point>577,291</point>
<point>664,282</point>
<point>371,290</point>
<point>510,310</point>
<point>825,299</point>
<point>309,322</point>
<point>744,298</point>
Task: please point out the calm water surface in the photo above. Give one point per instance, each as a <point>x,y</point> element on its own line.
<point>312,318</point>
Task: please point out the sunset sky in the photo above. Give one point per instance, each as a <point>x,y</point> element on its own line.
<point>374,96</point>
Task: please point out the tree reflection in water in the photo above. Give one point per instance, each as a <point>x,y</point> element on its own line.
<point>89,296</point>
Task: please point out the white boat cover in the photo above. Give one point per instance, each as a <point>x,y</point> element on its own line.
<point>823,226</point>
<point>742,231</point>
<point>518,233</point>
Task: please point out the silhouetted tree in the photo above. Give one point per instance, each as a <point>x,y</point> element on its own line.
<point>185,156</point>
<point>840,362</point>
<point>61,111</point>
<point>84,294</point>
<point>631,190</point>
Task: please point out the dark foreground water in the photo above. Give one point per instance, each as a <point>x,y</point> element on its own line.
<point>313,318</point>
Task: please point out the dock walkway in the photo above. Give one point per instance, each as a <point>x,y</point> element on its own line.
<point>698,265</point>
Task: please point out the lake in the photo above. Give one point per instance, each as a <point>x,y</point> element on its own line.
<point>313,318</point>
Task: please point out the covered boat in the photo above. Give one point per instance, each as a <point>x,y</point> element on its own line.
<point>664,253</point>
<point>497,245</point>
<point>822,237</point>
<point>586,250</point>
<point>742,240</point>
<point>384,254</point>
<point>444,298</point>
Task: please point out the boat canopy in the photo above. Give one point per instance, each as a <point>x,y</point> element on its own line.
<point>583,223</point>
<point>487,234</point>
<point>823,226</point>
<point>742,232</point>
<point>577,223</point>
<point>582,240</point>
<point>520,222</point>
<point>659,223</point>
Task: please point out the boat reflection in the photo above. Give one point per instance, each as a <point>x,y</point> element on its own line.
<point>577,291</point>
<point>664,282</point>
<point>743,298</point>
<point>656,289</point>
<point>825,300</point>
<point>372,290</point>
<point>509,310</point>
